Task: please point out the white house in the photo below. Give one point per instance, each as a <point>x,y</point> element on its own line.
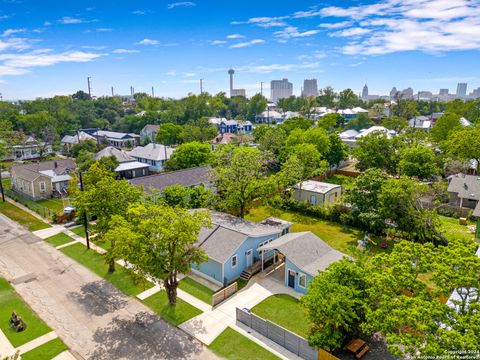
<point>316,192</point>
<point>155,155</point>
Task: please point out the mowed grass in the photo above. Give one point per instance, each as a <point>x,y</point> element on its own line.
<point>22,217</point>
<point>232,345</point>
<point>10,301</point>
<point>196,289</point>
<point>175,315</point>
<point>59,239</point>
<point>96,263</point>
<point>286,311</point>
<point>339,237</point>
<point>452,229</point>
<point>56,205</point>
<point>46,351</point>
<point>79,230</point>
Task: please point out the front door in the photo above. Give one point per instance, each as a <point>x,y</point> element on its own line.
<point>291,278</point>
<point>249,255</point>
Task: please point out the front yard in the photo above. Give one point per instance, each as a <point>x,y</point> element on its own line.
<point>286,311</point>
<point>22,217</point>
<point>10,301</point>
<point>232,345</point>
<point>59,239</point>
<point>175,315</point>
<point>46,351</point>
<point>54,204</point>
<point>196,289</point>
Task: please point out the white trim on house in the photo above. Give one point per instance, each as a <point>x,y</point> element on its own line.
<point>300,275</point>
<point>234,256</point>
<point>206,277</point>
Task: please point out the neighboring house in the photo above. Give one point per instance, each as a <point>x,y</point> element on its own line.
<point>244,126</point>
<point>316,192</point>
<point>231,245</point>
<point>42,180</point>
<point>155,155</point>
<point>420,123</point>
<point>117,139</point>
<point>305,255</point>
<point>31,149</point>
<point>231,126</point>
<point>223,139</point>
<point>350,137</point>
<point>68,141</point>
<point>228,126</point>
<point>200,175</point>
<point>149,133</point>
<point>128,167</point>
<point>464,192</point>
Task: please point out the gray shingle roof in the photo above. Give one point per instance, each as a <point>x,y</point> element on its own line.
<point>32,171</point>
<point>306,250</point>
<point>120,155</point>
<point>466,186</point>
<point>152,151</point>
<point>187,177</point>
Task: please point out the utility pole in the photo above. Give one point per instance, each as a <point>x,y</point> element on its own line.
<point>112,92</point>
<point>153,92</point>
<point>85,221</point>
<point>201,86</point>
<point>261,88</point>
<point>89,87</point>
<point>1,185</point>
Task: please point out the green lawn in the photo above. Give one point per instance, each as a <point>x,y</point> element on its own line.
<point>234,346</point>
<point>175,315</point>
<point>96,262</point>
<point>452,228</point>
<point>56,205</point>
<point>22,217</point>
<point>10,301</point>
<point>46,351</point>
<point>241,283</point>
<point>339,237</point>
<point>79,230</point>
<point>285,311</point>
<point>59,239</point>
<point>196,289</point>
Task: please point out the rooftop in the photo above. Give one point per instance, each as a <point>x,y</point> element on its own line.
<point>316,186</point>
<point>120,155</point>
<point>48,168</point>
<point>152,151</point>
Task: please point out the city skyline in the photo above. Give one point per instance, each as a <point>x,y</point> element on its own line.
<point>46,49</point>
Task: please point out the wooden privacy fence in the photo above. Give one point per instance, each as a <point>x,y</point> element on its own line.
<point>287,339</point>
<point>224,293</point>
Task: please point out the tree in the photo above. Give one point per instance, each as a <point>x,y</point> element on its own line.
<point>337,150</point>
<point>81,95</point>
<point>395,123</point>
<point>335,303</point>
<point>311,160</point>
<point>256,105</point>
<point>170,134</point>
<point>444,126</point>
<point>88,146</point>
<point>405,109</point>
<point>159,242</point>
<point>296,123</point>
<point>308,106</point>
<point>327,97</point>
<point>348,99</point>
<point>361,121</point>
<point>5,137</point>
<point>273,141</point>
<point>315,136</point>
<point>331,121</point>
<point>418,161</point>
<point>175,195</point>
<point>103,197</point>
<point>464,144</point>
<point>239,177</point>
<point>376,151</point>
<point>189,155</point>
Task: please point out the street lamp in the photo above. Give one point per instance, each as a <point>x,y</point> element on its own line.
<point>85,221</point>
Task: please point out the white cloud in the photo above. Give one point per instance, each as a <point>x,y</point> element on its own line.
<point>14,44</point>
<point>235,36</point>
<point>124,51</point>
<point>433,26</point>
<point>181,4</point>
<point>103,29</point>
<point>19,64</point>
<point>336,25</point>
<point>3,17</point>
<point>94,47</point>
<point>139,12</point>
<point>266,69</point>
<point>10,32</point>
<point>69,20</point>
<point>247,43</point>
<point>218,42</point>
<point>148,42</point>
<point>292,32</point>
<point>265,22</point>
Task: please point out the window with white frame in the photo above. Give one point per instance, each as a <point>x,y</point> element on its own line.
<point>43,188</point>
<point>302,280</point>
<point>234,261</point>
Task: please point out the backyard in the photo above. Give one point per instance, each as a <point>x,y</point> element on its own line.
<point>10,301</point>
<point>22,217</point>
<point>284,310</point>
<point>232,345</point>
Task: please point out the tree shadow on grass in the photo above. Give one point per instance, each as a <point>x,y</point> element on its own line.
<point>143,337</point>
<point>99,298</point>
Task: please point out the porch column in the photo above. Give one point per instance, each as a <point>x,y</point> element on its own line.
<point>262,260</point>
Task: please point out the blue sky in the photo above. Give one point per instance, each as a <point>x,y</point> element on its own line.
<point>50,47</point>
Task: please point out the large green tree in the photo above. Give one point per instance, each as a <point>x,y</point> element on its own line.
<point>377,151</point>
<point>170,134</point>
<point>444,126</point>
<point>189,155</point>
<point>418,161</point>
<point>159,242</point>
<point>464,144</point>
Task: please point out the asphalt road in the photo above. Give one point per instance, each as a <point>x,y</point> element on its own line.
<point>90,315</point>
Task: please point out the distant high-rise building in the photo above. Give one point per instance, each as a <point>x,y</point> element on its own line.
<point>280,89</point>
<point>365,92</point>
<point>235,92</point>
<point>443,92</point>
<point>393,93</point>
<point>475,94</point>
<point>407,93</point>
<point>461,90</point>
<point>310,87</point>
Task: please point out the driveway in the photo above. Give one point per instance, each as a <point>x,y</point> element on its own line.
<point>90,315</point>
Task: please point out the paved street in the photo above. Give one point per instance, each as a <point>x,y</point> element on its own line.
<point>91,316</point>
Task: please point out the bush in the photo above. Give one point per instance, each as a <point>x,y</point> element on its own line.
<point>333,212</point>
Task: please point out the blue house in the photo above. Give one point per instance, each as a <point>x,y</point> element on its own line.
<point>304,255</point>
<point>232,246</point>
<point>228,126</point>
<point>155,155</point>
